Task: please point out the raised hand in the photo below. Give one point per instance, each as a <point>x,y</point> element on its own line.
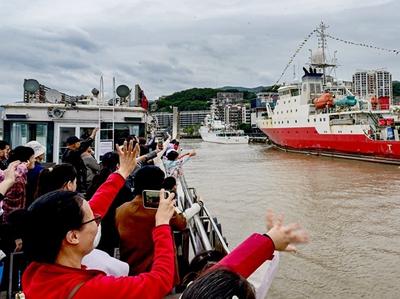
<point>11,173</point>
<point>166,208</point>
<point>284,236</point>
<point>127,158</point>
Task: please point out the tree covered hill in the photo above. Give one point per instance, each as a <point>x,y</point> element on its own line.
<point>200,98</point>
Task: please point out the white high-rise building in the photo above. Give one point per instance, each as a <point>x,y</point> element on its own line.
<point>367,84</point>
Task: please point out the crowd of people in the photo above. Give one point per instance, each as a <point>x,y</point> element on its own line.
<point>71,220</point>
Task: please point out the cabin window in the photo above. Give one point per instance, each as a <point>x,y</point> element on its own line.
<point>315,119</point>
<point>294,92</point>
<point>295,121</point>
<point>22,133</point>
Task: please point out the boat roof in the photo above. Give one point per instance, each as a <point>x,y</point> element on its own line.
<point>77,106</point>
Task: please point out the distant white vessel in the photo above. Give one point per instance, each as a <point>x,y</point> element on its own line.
<point>216,131</point>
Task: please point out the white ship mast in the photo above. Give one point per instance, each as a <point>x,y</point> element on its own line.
<point>319,60</point>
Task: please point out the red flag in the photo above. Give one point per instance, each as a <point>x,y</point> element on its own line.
<point>144,102</point>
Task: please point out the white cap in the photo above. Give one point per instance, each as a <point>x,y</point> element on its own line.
<point>37,148</point>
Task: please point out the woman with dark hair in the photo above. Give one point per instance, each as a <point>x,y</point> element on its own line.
<point>61,228</point>
<point>227,279</point>
<point>174,162</point>
<point>60,177</point>
<point>15,198</point>
<point>220,284</point>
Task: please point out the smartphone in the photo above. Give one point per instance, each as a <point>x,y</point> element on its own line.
<point>151,198</point>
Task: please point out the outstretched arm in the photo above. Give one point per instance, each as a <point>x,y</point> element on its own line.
<point>256,249</point>
<point>104,196</point>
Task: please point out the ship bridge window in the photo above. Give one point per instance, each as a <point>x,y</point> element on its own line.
<point>294,92</point>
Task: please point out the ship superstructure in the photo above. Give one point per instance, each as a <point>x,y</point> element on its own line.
<point>321,116</point>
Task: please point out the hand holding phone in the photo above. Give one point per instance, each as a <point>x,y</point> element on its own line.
<point>166,208</point>
<point>151,198</point>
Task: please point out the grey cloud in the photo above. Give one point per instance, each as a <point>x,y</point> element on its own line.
<point>168,47</point>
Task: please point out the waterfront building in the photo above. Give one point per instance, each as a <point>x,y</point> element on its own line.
<point>186,118</point>
<point>229,97</point>
<point>372,83</point>
<point>236,114</point>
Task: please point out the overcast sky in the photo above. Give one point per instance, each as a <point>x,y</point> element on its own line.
<point>168,46</point>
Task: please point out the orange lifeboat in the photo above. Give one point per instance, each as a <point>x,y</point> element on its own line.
<point>323,101</point>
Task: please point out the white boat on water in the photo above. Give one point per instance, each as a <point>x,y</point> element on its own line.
<point>216,131</point>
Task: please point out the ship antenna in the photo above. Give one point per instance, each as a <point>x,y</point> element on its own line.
<point>323,64</point>
<point>322,27</point>
<point>101,89</point>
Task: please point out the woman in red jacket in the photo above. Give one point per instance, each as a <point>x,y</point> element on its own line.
<point>227,279</point>
<point>61,227</point>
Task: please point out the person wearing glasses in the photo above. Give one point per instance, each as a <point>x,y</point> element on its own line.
<point>61,227</point>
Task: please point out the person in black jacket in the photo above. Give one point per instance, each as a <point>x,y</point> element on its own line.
<point>72,155</point>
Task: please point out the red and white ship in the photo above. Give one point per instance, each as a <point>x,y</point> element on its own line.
<point>326,119</point>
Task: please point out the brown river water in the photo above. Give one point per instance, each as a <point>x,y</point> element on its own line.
<point>350,208</point>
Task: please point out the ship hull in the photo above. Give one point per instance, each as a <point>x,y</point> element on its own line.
<point>210,136</point>
<point>358,146</point>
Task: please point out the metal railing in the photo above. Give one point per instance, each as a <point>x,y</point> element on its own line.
<point>205,232</point>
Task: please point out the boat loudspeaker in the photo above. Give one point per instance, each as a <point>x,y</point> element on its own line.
<point>95,92</point>
<point>55,112</point>
<point>31,85</point>
<point>123,91</point>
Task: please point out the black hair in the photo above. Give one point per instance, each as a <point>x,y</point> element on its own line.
<point>220,283</point>
<point>169,183</point>
<point>148,178</point>
<point>47,222</point>
<point>55,178</point>
<point>3,144</point>
<point>21,153</point>
<point>201,262</point>
<point>110,161</point>
<point>144,150</point>
<point>172,155</point>
<point>142,141</point>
